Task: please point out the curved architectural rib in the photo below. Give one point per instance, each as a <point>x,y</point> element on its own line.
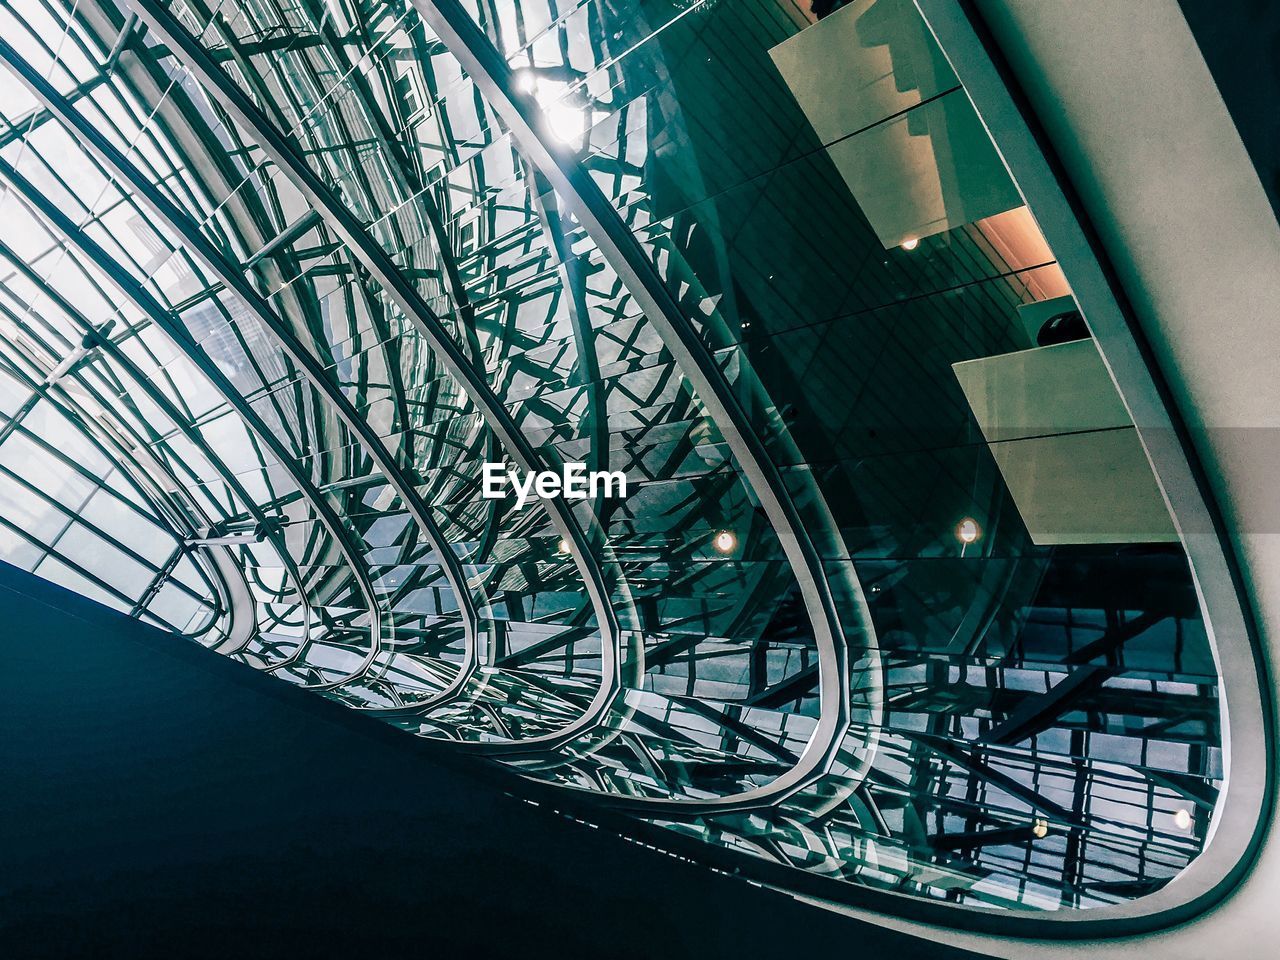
<point>574,283</point>
<point>156,484</point>
<point>175,416</point>
<point>1039,735</point>
<point>346,226</point>
<point>136,294</point>
<point>96,18</point>
<point>971,49</point>
<point>455,26</point>
<point>412,186</point>
<point>257,305</point>
<point>228,575</point>
<point>406,178</point>
<point>834,678</point>
<point>104,442</point>
<point>475,636</point>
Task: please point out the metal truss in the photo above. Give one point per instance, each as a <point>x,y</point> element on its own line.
<point>352,233</point>
<point>379,261</point>
<point>145,302</point>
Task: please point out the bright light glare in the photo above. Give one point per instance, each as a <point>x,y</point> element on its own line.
<point>725,541</point>
<point>566,123</point>
<point>967,530</point>
<point>911,244</point>
<point>526,81</point>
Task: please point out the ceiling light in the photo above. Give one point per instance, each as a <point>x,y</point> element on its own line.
<point>1182,819</point>
<point>526,81</point>
<point>1040,828</point>
<point>967,530</point>
<point>725,541</point>
<point>563,546</point>
<point>911,244</point>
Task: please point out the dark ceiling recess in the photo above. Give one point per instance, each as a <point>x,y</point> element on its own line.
<point>161,800</point>
<point>1241,44</point>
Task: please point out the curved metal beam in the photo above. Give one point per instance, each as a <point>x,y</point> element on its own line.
<point>234,280</point>
<point>1025,148</point>
<point>411,186</point>
<point>112,449</point>
<point>492,76</point>
<point>176,417</point>
<point>472,654</point>
<point>158,486</point>
<point>133,75</point>
<point>142,299</point>
<point>349,229</point>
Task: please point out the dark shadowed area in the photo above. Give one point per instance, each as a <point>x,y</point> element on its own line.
<point>159,799</point>
<point>1241,44</point>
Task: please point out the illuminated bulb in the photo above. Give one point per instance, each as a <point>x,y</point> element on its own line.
<point>526,81</point>
<point>1182,819</point>
<point>911,244</point>
<point>566,123</point>
<point>1040,828</point>
<point>563,546</point>
<point>725,541</point>
<point>967,530</point>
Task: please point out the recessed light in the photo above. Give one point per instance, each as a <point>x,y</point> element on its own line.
<point>526,81</point>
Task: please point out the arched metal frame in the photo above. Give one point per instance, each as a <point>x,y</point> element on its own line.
<point>622,252</point>
<point>144,482</point>
<point>234,280</point>
<point>347,227</point>
<point>620,248</point>
<point>1242,815</point>
<point>144,301</point>
<point>227,278</point>
<point>34,199</point>
<point>573,182</point>
<point>465,316</point>
<point>155,396</point>
<point>289,659</point>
